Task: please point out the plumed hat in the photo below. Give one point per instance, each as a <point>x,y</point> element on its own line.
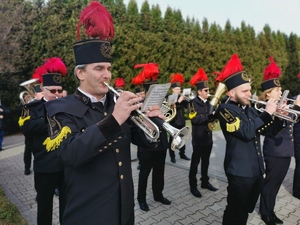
<point>177,80</point>
<point>55,69</point>
<point>233,73</point>
<point>271,74</point>
<point>99,28</point>
<point>200,79</point>
<point>119,82</point>
<point>150,73</point>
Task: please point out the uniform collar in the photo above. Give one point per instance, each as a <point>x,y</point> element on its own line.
<point>92,98</point>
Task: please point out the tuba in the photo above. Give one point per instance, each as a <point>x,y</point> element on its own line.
<point>30,92</point>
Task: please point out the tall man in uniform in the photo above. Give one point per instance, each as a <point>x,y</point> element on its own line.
<point>242,126</point>
<point>48,168</point>
<point>92,133</point>
<point>178,122</point>
<point>201,134</point>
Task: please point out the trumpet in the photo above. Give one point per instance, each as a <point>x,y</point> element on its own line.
<point>29,85</point>
<point>179,136</point>
<point>190,96</point>
<point>293,119</point>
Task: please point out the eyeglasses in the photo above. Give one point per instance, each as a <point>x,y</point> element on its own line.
<point>206,90</point>
<point>53,91</point>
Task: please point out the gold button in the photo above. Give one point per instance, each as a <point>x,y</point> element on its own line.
<point>100,150</point>
<point>258,131</point>
<point>258,153</point>
<point>255,142</point>
<point>291,135</point>
<point>109,144</point>
<point>262,128</point>
<point>256,147</point>
<point>82,130</point>
<point>122,177</point>
<point>117,150</point>
<point>120,163</point>
<point>105,147</point>
<point>119,137</point>
<point>105,113</point>
<point>115,141</point>
<point>292,139</point>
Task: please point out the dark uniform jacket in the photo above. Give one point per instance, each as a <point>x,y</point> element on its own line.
<point>280,145</point>
<point>96,154</point>
<point>179,120</point>
<point>201,135</point>
<point>242,129</point>
<point>296,133</point>
<point>36,125</point>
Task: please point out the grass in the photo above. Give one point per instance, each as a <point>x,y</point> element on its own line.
<point>9,213</point>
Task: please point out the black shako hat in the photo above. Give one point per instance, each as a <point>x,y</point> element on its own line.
<point>99,28</point>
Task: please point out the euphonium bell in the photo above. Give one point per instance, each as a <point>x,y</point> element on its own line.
<point>30,93</point>
<point>216,99</point>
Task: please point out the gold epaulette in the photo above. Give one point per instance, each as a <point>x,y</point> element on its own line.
<point>22,120</point>
<point>192,115</point>
<point>52,144</point>
<point>232,123</point>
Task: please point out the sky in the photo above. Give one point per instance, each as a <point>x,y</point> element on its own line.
<point>282,15</point>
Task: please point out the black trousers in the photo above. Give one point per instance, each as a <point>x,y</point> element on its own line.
<point>28,152</point>
<point>276,170</point>
<point>199,152</point>
<point>155,161</point>
<point>242,195</point>
<point>172,153</point>
<point>45,184</point>
<point>296,181</point>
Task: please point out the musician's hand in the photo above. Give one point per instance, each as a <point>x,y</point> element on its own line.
<point>283,109</point>
<point>181,98</point>
<point>126,103</point>
<point>154,111</point>
<point>271,106</point>
<point>297,101</point>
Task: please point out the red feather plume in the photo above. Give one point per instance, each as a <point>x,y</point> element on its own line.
<point>97,21</point>
<point>233,66</point>
<point>38,72</point>
<point>177,77</point>
<point>150,70</point>
<point>298,75</point>
<point>55,65</point>
<point>138,80</point>
<point>199,76</point>
<point>272,70</point>
<point>119,82</point>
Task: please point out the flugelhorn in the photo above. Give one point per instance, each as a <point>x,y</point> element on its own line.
<point>30,92</point>
<point>179,136</point>
<point>214,102</point>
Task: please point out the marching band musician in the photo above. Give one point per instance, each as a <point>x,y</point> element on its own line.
<point>154,157</point>
<point>92,133</point>
<point>241,126</point>
<point>277,150</point>
<point>178,122</point>
<point>201,135</point>
<point>48,168</point>
<point>296,134</point>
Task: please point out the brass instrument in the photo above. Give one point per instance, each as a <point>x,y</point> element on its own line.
<point>168,111</point>
<point>189,97</point>
<point>30,93</point>
<point>179,136</point>
<point>216,99</point>
<point>284,117</point>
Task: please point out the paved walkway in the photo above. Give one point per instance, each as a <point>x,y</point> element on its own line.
<point>185,208</point>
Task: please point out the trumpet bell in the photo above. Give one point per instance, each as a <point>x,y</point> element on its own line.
<point>216,99</point>
<point>29,94</point>
<point>180,137</point>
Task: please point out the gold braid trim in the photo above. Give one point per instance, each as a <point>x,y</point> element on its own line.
<point>192,115</point>
<point>231,127</point>
<point>53,144</point>
<point>22,120</point>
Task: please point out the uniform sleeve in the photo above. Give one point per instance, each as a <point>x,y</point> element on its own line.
<point>77,145</point>
<point>245,129</point>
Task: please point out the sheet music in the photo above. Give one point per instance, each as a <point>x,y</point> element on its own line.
<point>155,95</point>
<point>172,99</point>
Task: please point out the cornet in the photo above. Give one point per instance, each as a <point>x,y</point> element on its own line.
<point>289,111</point>
<point>29,85</point>
<point>179,136</point>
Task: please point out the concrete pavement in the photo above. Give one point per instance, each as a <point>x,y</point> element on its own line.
<point>185,208</point>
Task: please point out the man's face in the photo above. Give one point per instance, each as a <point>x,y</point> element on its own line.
<point>203,93</point>
<point>52,92</point>
<point>241,94</point>
<point>176,90</point>
<point>92,78</point>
